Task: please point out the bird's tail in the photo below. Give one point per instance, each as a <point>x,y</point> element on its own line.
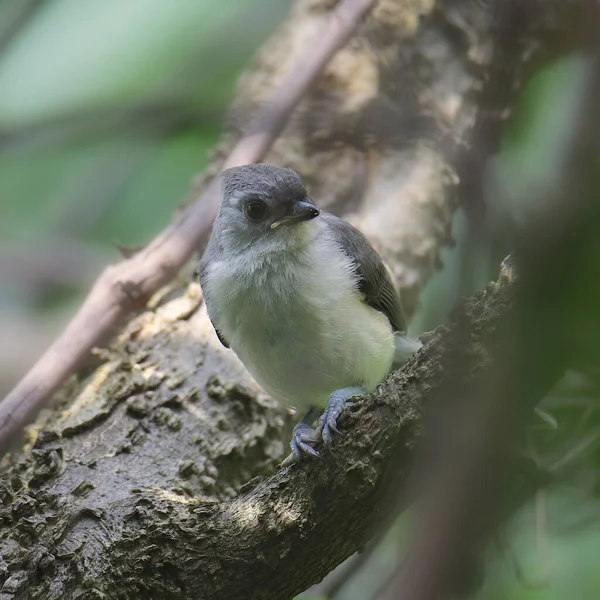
<point>405,347</point>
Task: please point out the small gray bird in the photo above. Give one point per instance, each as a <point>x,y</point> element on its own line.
<point>301,297</point>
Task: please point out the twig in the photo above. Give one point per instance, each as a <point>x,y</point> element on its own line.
<point>128,285</point>
<point>270,121</point>
<point>462,500</point>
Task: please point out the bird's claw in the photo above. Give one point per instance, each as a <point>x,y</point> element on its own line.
<point>328,420</point>
<point>302,438</point>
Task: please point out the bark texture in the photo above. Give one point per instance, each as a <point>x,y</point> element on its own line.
<point>131,490</point>
<point>154,474</point>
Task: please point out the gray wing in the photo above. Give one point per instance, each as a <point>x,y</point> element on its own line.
<point>201,277</point>
<point>374,279</point>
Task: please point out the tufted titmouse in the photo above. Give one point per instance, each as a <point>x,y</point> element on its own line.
<point>301,297</point>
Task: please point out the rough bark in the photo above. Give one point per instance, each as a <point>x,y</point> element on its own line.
<point>131,490</point>
<point>140,482</point>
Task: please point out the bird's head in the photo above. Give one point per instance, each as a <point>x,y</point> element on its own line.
<point>263,203</point>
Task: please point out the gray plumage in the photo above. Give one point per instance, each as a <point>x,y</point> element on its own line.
<point>263,180</point>
<point>374,280</point>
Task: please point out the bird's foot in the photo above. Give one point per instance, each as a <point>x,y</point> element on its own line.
<point>303,437</point>
<point>336,404</point>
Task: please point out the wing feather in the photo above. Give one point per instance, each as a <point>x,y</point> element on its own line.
<point>374,280</point>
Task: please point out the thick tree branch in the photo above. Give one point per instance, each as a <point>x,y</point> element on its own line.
<point>122,288</point>
<point>134,536</point>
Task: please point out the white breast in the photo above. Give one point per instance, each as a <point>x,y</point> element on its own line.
<point>297,322</point>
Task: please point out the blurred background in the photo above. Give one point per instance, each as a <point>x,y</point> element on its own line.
<point>108,109</point>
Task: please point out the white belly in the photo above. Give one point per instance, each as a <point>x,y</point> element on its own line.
<point>300,327</point>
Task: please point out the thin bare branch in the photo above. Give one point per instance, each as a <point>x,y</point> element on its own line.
<point>123,287</point>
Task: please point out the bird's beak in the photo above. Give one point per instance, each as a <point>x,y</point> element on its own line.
<point>303,211</point>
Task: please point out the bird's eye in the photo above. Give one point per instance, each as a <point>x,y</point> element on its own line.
<point>256,210</point>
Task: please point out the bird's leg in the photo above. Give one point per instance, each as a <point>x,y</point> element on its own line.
<point>304,435</point>
<point>338,400</point>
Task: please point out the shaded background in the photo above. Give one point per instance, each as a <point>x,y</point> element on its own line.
<point>107,110</point>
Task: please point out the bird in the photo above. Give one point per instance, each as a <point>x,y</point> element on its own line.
<point>302,298</point>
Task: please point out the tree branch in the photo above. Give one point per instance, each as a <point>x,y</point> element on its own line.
<point>133,531</point>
